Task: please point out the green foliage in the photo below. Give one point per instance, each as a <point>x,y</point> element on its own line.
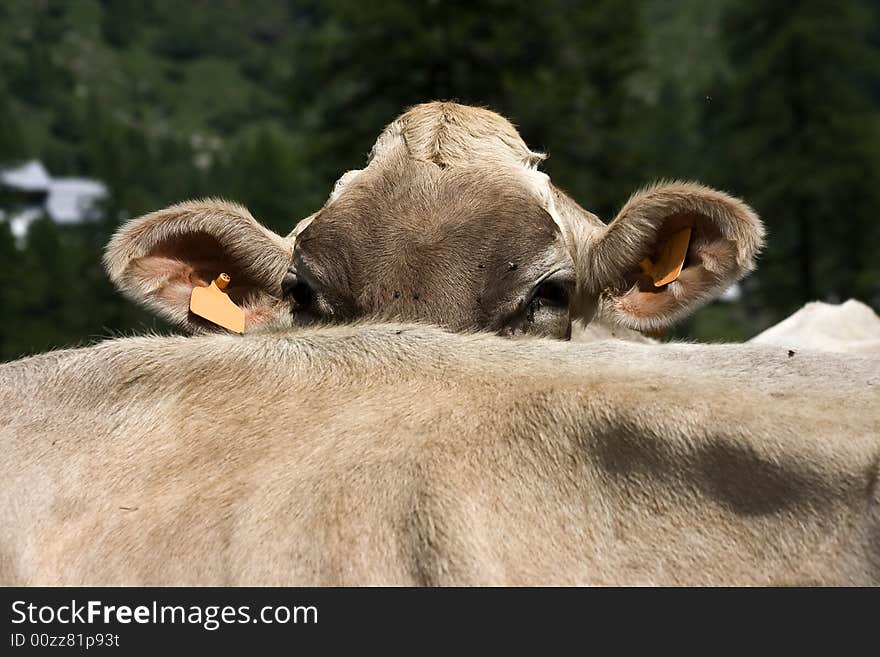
<point>268,175</point>
<point>562,70</point>
<point>800,131</point>
<point>54,291</point>
<point>268,102</point>
<point>11,271</point>
<point>718,322</point>
<point>12,141</point>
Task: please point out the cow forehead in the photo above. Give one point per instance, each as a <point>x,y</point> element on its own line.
<point>419,204</point>
<point>449,134</point>
<point>442,244</point>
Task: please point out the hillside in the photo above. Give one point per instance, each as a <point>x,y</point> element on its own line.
<point>267,102</point>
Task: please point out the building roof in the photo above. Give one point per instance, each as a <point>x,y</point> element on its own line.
<point>28,177</point>
<point>72,200</point>
<point>67,200</point>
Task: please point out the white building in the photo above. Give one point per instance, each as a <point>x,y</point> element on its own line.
<point>35,192</point>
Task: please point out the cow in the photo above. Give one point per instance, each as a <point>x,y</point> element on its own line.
<point>450,223</point>
<point>850,327</point>
<point>403,454</point>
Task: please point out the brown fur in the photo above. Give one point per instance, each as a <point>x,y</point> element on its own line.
<point>448,205</point>
<point>460,269</point>
<point>398,454</point>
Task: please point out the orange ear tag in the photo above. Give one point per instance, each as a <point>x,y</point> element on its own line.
<point>213,304</point>
<point>670,260</point>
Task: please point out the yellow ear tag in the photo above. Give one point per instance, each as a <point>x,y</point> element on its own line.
<point>670,260</point>
<point>213,304</point>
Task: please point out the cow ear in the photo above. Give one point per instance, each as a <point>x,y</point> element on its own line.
<point>159,258</point>
<point>634,262</point>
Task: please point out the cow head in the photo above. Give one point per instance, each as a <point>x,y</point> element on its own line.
<point>449,223</point>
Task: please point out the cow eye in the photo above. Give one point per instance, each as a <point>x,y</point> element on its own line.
<point>296,288</point>
<point>552,293</point>
<point>301,293</point>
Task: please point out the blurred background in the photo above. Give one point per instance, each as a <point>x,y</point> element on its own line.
<point>113,108</point>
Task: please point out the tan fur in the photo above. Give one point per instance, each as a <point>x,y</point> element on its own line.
<point>399,454</point>
<point>601,330</point>
<point>449,134</point>
<point>449,203</point>
<point>727,236</point>
<point>158,258</point>
<point>850,327</point>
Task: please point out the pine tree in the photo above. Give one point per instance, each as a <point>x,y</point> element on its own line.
<point>562,70</point>
<point>12,142</point>
<point>802,135</point>
<point>10,297</point>
<point>269,176</point>
<point>43,285</point>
